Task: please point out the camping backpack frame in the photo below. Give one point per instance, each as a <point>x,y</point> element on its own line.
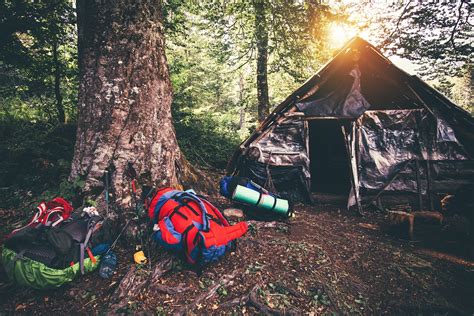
<point>53,248</point>
<point>187,223</point>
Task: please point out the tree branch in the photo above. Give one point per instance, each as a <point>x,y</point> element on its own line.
<point>453,31</point>
<point>397,26</point>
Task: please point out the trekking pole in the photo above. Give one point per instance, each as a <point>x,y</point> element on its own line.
<point>133,174</point>
<point>118,237</point>
<point>106,192</point>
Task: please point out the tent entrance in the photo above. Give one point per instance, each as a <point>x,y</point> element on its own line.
<point>329,163</point>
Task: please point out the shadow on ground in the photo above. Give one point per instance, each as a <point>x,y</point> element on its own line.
<point>322,260</point>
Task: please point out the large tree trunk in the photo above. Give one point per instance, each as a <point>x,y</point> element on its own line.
<point>261,34</point>
<point>125,97</point>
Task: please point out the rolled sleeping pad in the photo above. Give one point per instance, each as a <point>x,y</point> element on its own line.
<point>261,200</point>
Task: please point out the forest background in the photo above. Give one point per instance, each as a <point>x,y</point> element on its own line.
<point>217,52</point>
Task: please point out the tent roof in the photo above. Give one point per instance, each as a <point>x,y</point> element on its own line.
<point>425,95</point>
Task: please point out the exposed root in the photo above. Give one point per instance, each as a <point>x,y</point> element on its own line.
<point>192,177</point>
<point>243,300</point>
<point>162,266</point>
<point>135,280</point>
<point>224,281</point>
<point>169,289</point>
<point>290,290</point>
<point>253,300</point>
<point>131,283</point>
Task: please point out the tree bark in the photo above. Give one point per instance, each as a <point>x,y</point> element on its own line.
<point>124,113</point>
<point>57,84</point>
<point>261,35</point>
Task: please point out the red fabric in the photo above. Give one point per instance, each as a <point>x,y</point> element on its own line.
<point>48,212</point>
<point>67,207</point>
<point>190,244</point>
<point>158,194</point>
<point>220,235</point>
<point>91,256</point>
<point>220,232</point>
<point>180,223</point>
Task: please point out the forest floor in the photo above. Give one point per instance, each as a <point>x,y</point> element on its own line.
<point>323,260</point>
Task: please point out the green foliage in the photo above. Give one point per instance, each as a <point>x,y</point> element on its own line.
<point>222,291</point>
<point>35,158</point>
<point>38,52</point>
<point>208,98</point>
<point>295,33</point>
<point>213,74</point>
<point>436,36</point>
<point>211,51</point>
<point>207,141</point>
<point>460,89</point>
<point>68,190</point>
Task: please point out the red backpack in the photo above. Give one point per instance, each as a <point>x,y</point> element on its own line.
<point>187,223</point>
<point>49,214</point>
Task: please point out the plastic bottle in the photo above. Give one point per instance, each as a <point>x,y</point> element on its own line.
<point>108,264</point>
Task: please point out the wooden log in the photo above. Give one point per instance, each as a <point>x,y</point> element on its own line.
<point>400,218</point>
<point>404,218</point>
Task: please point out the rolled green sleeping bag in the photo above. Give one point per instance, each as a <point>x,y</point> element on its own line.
<point>261,200</point>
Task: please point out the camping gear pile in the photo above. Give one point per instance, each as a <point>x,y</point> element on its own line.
<point>55,246</point>
<point>58,244</point>
<point>248,193</point>
<point>188,224</point>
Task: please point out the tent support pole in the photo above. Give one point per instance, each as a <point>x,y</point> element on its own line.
<point>421,100</point>
<point>349,156</point>
<point>428,186</point>
<point>418,185</point>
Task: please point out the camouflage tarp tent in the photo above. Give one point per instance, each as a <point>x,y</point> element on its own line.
<point>361,126</point>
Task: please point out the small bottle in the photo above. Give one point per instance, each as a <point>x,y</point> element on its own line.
<point>108,264</point>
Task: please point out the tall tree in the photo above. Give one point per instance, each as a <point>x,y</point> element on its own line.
<point>261,36</point>
<point>124,113</point>
<point>276,35</point>
<point>36,43</point>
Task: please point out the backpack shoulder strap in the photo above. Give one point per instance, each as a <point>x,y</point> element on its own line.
<point>161,201</point>
<point>193,197</point>
<point>41,211</point>
<point>91,225</point>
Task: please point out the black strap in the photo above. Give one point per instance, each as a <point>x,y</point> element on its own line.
<point>196,239</point>
<point>186,203</point>
<point>259,198</point>
<point>93,221</point>
<point>183,238</point>
<point>176,211</point>
<point>274,203</point>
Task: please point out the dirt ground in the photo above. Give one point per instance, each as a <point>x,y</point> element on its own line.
<point>323,260</point>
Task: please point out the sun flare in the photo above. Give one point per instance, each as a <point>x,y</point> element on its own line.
<point>339,34</point>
